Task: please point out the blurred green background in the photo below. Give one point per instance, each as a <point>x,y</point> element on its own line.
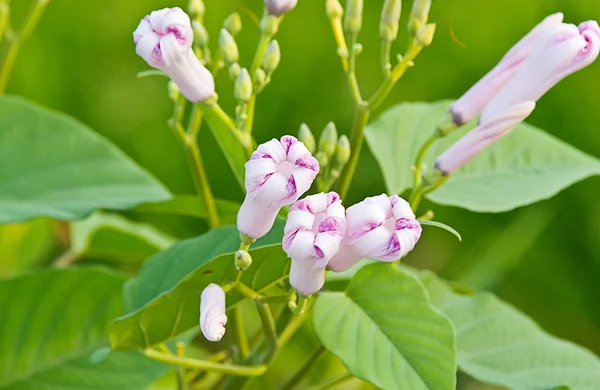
<point>545,258</point>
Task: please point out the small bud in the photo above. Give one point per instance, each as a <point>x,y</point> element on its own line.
<point>174,92</point>
<point>269,25</point>
<point>322,159</point>
<point>197,9</point>
<point>213,315</point>
<point>279,7</point>
<point>353,16</point>
<point>342,151</point>
<point>228,47</point>
<point>307,138</point>
<point>390,17</point>
<point>242,90</point>
<point>272,57</point>
<point>243,260</point>
<point>425,34</point>
<point>200,33</point>
<point>234,70</point>
<point>328,140</point>
<point>260,79</point>
<point>233,24</point>
<point>419,15</point>
<point>334,9</point>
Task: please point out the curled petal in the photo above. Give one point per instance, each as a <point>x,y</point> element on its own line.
<point>212,312</point>
<point>307,276</point>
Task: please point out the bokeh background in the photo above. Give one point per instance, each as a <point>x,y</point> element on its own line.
<point>544,258</point>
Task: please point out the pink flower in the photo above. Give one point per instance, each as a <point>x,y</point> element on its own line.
<point>562,49</point>
<point>279,7</point>
<point>480,94</point>
<point>278,173</point>
<point>313,232</point>
<point>164,40</point>
<point>212,312</point>
<point>488,132</point>
<point>381,227</point>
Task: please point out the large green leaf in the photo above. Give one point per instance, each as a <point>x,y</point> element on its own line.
<point>386,332</point>
<point>498,344</point>
<point>26,245</point>
<point>163,301</point>
<point>54,166</point>
<point>51,323</point>
<point>524,167</point>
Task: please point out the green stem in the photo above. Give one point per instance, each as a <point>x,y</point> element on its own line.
<point>302,373</point>
<point>250,107</point>
<point>360,122</point>
<point>241,339</point>
<point>386,66</point>
<point>261,49</point>
<point>268,324</point>
<point>222,368</point>
<point>15,41</point>
<point>247,292</point>
<point>4,17</point>
<point>420,156</point>
<point>351,72</point>
<point>337,381</point>
<point>181,380</point>
<point>243,139</point>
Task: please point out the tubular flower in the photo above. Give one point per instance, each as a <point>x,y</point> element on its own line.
<point>381,227</point>
<point>280,7</point>
<point>480,94</point>
<point>475,141</point>
<point>212,312</point>
<point>313,232</point>
<point>278,173</point>
<point>164,40</point>
<point>560,51</point>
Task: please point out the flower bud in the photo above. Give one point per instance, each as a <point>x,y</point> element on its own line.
<point>174,92</point>
<point>242,89</point>
<point>342,151</point>
<point>269,25</point>
<point>382,227</point>
<point>477,140</point>
<point>353,16</point>
<point>228,47</point>
<point>164,40</point>
<point>328,140</point>
<point>278,173</point>
<point>233,24</point>
<point>279,7</point>
<point>243,260</point>
<point>307,138</point>
<point>334,9</point>
<point>212,312</point>
<point>234,71</point>
<point>419,15</point>
<point>313,231</point>
<point>272,57</point>
<point>425,34</point>
<point>200,33</point>
<point>197,9</point>
<point>260,79</point>
<point>322,158</point>
<point>390,17</point>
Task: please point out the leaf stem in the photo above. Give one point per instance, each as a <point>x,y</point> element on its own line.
<point>268,324</point>
<point>386,66</point>
<point>241,338</point>
<point>420,156</point>
<point>15,41</point>
<point>360,122</point>
<point>243,139</point>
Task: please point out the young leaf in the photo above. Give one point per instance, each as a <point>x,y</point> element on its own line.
<point>524,167</point>
<point>54,166</point>
<point>386,332</point>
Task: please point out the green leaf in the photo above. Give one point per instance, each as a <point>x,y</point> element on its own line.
<point>386,332</point>
<point>54,166</point>
<point>524,167</point>
<point>441,226</point>
<point>192,206</point>
<point>53,322</point>
<point>113,238</point>
<point>499,345</point>
<point>163,301</point>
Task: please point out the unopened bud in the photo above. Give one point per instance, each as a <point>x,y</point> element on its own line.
<point>242,90</point>
<point>279,7</point>
<point>272,57</point>
<point>174,92</point>
<point>197,9</point>
<point>322,159</point>
<point>307,138</point>
<point>425,34</point>
<point>353,16</point>
<point>243,260</point>
<point>419,15</point>
<point>260,79</point>
<point>334,9</point>
<point>228,47</point>
<point>328,140</point>
<point>342,151</point>
<point>200,34</point>
<point>234,70</point>
<point>390,17</point>
<point>233,24</point>
<point>269,25</point>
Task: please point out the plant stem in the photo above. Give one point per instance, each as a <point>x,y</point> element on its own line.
<point>4,17</point>
<point>244,140</point>
<point>15,41</point>
<point>241,339</point>
<point>337,381</point>
<point>228,369</point>
<point>420,156</point>
<point>386,66</point>
<point>340,41</point>
<point>268,324</point>
<point>351,71</point>
<point>181,381</point>
<point>301,374</point>
<point>360,122</point>
<point>261,49</point>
